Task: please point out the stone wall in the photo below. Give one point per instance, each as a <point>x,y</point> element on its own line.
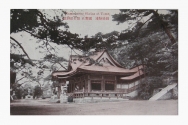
<point>172,94</point>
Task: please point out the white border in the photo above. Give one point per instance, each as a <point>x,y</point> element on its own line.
<point>97,4</point>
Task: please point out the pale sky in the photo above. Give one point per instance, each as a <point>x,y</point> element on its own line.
<point>91,27</point>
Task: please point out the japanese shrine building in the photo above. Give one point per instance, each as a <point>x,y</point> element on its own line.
<point>98,75</point>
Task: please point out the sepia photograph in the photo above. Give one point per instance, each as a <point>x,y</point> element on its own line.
<point>93,62</point>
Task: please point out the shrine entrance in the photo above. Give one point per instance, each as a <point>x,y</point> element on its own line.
<point>109,85</point>
<point>99,85</point>
<point>96,85</point>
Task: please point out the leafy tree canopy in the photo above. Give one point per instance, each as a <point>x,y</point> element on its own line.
<point>152,40</point>
<point>144,22</point>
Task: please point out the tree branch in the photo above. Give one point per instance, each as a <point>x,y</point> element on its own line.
<point>27,81</point>
<point>73,50</point>
<point>20,79</point>
<point>42,18</point>
<point>22,49</point>
<point>32,34</point>
<point>168,32</point>
<point>144,24</point>
<point>62,65</point>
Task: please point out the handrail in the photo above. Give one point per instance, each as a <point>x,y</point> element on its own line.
<point>133,88</point>
<point>98,94</point>
<point>109,94</point>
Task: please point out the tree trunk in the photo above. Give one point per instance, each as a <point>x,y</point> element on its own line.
<point>167,31</point>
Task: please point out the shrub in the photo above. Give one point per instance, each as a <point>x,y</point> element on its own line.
<point>147,86</point>
<point>37,92</point>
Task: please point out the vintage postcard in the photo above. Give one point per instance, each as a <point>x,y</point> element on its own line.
<point>94,62</point>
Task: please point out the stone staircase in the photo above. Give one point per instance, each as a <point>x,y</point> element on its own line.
<point>163,92</point>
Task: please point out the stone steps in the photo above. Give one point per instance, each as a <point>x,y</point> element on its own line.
<point>162,92</point>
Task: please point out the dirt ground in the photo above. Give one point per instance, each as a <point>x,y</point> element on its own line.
<point>44,107</point>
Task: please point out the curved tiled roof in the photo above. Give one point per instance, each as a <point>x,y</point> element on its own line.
<point>106,69</point>
<point>77,65</point>
<point>137,74</point>
<point>97,55</point>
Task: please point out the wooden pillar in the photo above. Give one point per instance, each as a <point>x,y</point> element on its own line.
<point>71,87</point>
<point>89,84</point>
<point>68,87</point>
<point>85,84</point>
<point>139,74</point>
<point>81,83</point>
<point>115,85</point>
<point>102,83</point>
<point>121,85</point>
